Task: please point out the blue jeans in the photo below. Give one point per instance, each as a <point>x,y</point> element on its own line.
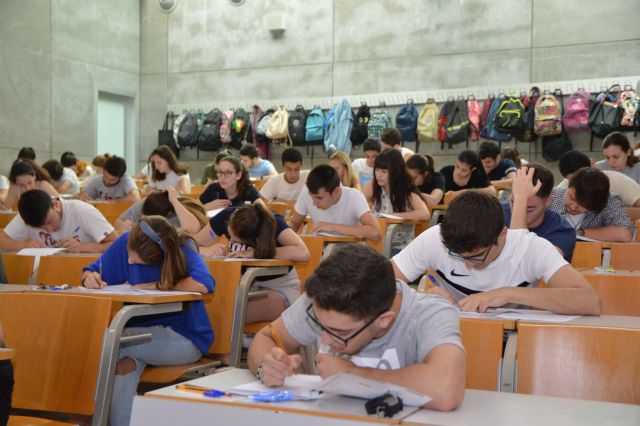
<point>165,348</point>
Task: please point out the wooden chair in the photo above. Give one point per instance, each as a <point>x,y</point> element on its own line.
<point>196,190</point>
<point>283,209</point>
<point>619,292</point>
<point>113,208</point>
<point>448,197</point>
<point>6,217</point>
<point>63,269</point>
<point>583,362</point>
<point>17,268</point>
<point>482,341</point>
<point>625,256</point>
<point>638,230</point>
<point>58,339</point>
<point>587,255</point>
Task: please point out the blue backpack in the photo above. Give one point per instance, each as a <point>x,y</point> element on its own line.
<point>407,122</point>
<point>491,132</point>
<point>314,129</point>
<point>338,130</point>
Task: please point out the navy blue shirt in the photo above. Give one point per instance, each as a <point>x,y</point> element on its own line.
<point>192,322</point>
<point>478,179</point>
<point>216,192</point>
<point>553,228</point>
<point>504,167</point>
<point>220,222</point>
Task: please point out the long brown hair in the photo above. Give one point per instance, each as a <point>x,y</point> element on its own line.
<point>158,242</point>
<point>621,141</point>
<point>166,154</point>
<point>157,203</point>
<point>24,166</point>
<point>244,184</point>
<point>255,225</point>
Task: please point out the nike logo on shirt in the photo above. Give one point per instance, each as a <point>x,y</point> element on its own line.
<point>453,272</point>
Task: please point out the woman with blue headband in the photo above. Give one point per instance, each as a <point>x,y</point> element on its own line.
<point>154,254</point>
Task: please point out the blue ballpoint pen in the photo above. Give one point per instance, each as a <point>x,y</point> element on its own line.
<point>434,281</point>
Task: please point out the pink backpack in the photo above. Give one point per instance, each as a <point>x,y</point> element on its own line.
<point>473,108</point>
<point>576,115</point>
<point>548,116</point>
<point>225,126</point>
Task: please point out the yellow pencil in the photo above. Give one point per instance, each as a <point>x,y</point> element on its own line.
<point>275,336</point>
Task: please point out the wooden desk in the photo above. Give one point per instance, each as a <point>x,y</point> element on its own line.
<point>7,353</point>
<point>483,408</point>
<point>6,217</point>
<point>618,290</point>
<point>316,245</point>
<point>389,228</point>
<point>168,406</point>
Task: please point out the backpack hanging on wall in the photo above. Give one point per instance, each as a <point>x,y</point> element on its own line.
<point>548,119</point>
<point>605,114</point>
<point>442,120</point>
<point>456,128</point>
<point>553,146</point>
<point>630,103</point>
<point>360,131</point>
<point>509,117</point>
<point>165,135</point>
<point>314,134</point>
<point>576,113</point>
<point>379,121</point>
<point>529,101</point>
<point>484,114</point>
<point>188,131</point>
<point>209,138</point>
<point>407,122</point>
<point>336,136</point>
<point>490,127</point>
<point>278,130</point>
<point>225,126</point>
<point>428,122</point>
<point>474,110</point>
<point>239,128</point>
<point>297,126</point>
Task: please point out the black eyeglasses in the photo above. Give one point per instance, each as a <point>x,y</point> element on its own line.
<point>338,339</point>
<point>473,259</point>
<point>225,173</point>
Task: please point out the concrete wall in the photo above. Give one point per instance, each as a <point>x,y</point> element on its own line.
<point>54,57</point>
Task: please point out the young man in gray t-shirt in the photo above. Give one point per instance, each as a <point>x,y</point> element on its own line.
<point>370,325</point>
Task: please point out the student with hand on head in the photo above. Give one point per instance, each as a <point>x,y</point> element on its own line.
<point>363,167</point>
<point>430,183</point>
<point>209,172</point>
<point>368,324</point>
<point>391,138</point>
<point>112,185</point>
<point>233,187</point>
<point>65,179</point>
<point>286,187</point>
<point>155,255</point>
<point>342,163</point>
<point>255,232</point>
<point>182,212</point>
<point>24,176</point>
<point>46,222</point>
<point>619,156</point>
<point>166,171</point>
<point>485,265</point>
<point>620,184</point>
<point>334,208</point>
<point>527,209</point>
<point>496,167</point>
<point>591,209</point>
<point>258,167</point>
<point>467,173</point>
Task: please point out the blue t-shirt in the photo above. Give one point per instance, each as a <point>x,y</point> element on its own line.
<point>192,322</point>
<point>553,228</point>
<point>216,192</point>
<point>504,167</point>
<point>220,222</point>
<point>264,168</point>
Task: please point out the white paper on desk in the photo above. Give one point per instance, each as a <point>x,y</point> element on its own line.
<point>240,259</point>
<point>303,386</point>
<point>212,213</point>
<point>328,234</point>
<point>48,251</point>
<point>531,315</point>
<point>583,238</point>
<point>131,289</point>
<point>388,216</point>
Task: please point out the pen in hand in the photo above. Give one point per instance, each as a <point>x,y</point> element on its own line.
<point>275,336</point>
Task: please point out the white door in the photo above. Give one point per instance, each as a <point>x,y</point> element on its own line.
<point>112,116</point>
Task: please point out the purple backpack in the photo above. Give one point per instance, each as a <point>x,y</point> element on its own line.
<point>576,115</point>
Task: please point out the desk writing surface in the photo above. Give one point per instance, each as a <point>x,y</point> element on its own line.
<point>7,353</point>
<point>618,321</point>
<point>486,408</point>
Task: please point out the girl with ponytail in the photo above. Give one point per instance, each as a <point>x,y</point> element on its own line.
<point>154,255</point>
<point>255,232</point>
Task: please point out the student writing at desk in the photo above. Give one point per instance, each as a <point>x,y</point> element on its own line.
<point>112,185</point>
<point>155,255</point>
<point>369,325</point>
<point>255,232</point>
<point>232,188</point>
<point>483,264</point>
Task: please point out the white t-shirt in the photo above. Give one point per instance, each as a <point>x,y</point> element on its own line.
<point>619,184</point>
<point>97,190</point>
<point>347,211</point>
<point>524,260</point>
<point>364,172</point>
<point>68,175</point>
<point>4,182</point>
<point>406,152</point>
<point>79,220</point>
<point>171,179</point>
<point>277,187</point>
<point>145,171</point>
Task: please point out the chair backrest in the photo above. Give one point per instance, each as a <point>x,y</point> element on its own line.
<point>113,208</point>
<point>583,362</point>
<point>58,340</point>
<point>283,209</point>
<point>587,255</point>
<point>625,256</point>
<point>17,268</point>
<point>67,269</point>
<point>6,217</point>
<point>619,293</point>
<point>482,341</point>
<point>197,189</point>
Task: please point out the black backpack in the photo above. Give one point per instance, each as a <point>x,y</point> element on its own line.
<point>510,116</point>
<point>407,122</point>
<point>165,135</point>
<point>188,131</point>
<point>297,126</point>
<point>456,128</point>
<point>360,130</point>
<point>239,128</point>
<point>527,134</point>
<point>209,139</point>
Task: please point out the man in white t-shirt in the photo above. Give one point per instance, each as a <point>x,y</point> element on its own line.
<point>483,264</point>
<point>391,138</point>
<point>334,208</point>
<point>286,187</point>
<point>46,222</point>
<point>112,185</point>
<point>363,167</point>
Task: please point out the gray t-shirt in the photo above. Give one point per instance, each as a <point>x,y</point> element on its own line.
<point>134,213</point>
<point>423,323</point>
<point>97,190</point>
<point>633,172</point>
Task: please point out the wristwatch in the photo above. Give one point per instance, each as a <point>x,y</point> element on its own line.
<point>259,372</point>
<point>580,232</point>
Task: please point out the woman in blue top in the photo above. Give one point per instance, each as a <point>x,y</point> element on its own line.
<point>255,232</point>
<point>155,255</point>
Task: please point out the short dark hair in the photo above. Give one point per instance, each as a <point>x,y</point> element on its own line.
<point>115,166</point>
<point>371,144</point>
<point>421,163</point>
<point>572,161</point>
<point>354,280</point>
<point>291,155</point>
<point>68,159</point>
<point>591,188</point>
<point>33,207</point>
<point>323,176</point>
<point>27,153</point>
<point>54,167</point>
<point>488,149</point>
<point>391,136</point>
<point>249,150</point>
<point>473,220</point>
<point>544,175</point>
